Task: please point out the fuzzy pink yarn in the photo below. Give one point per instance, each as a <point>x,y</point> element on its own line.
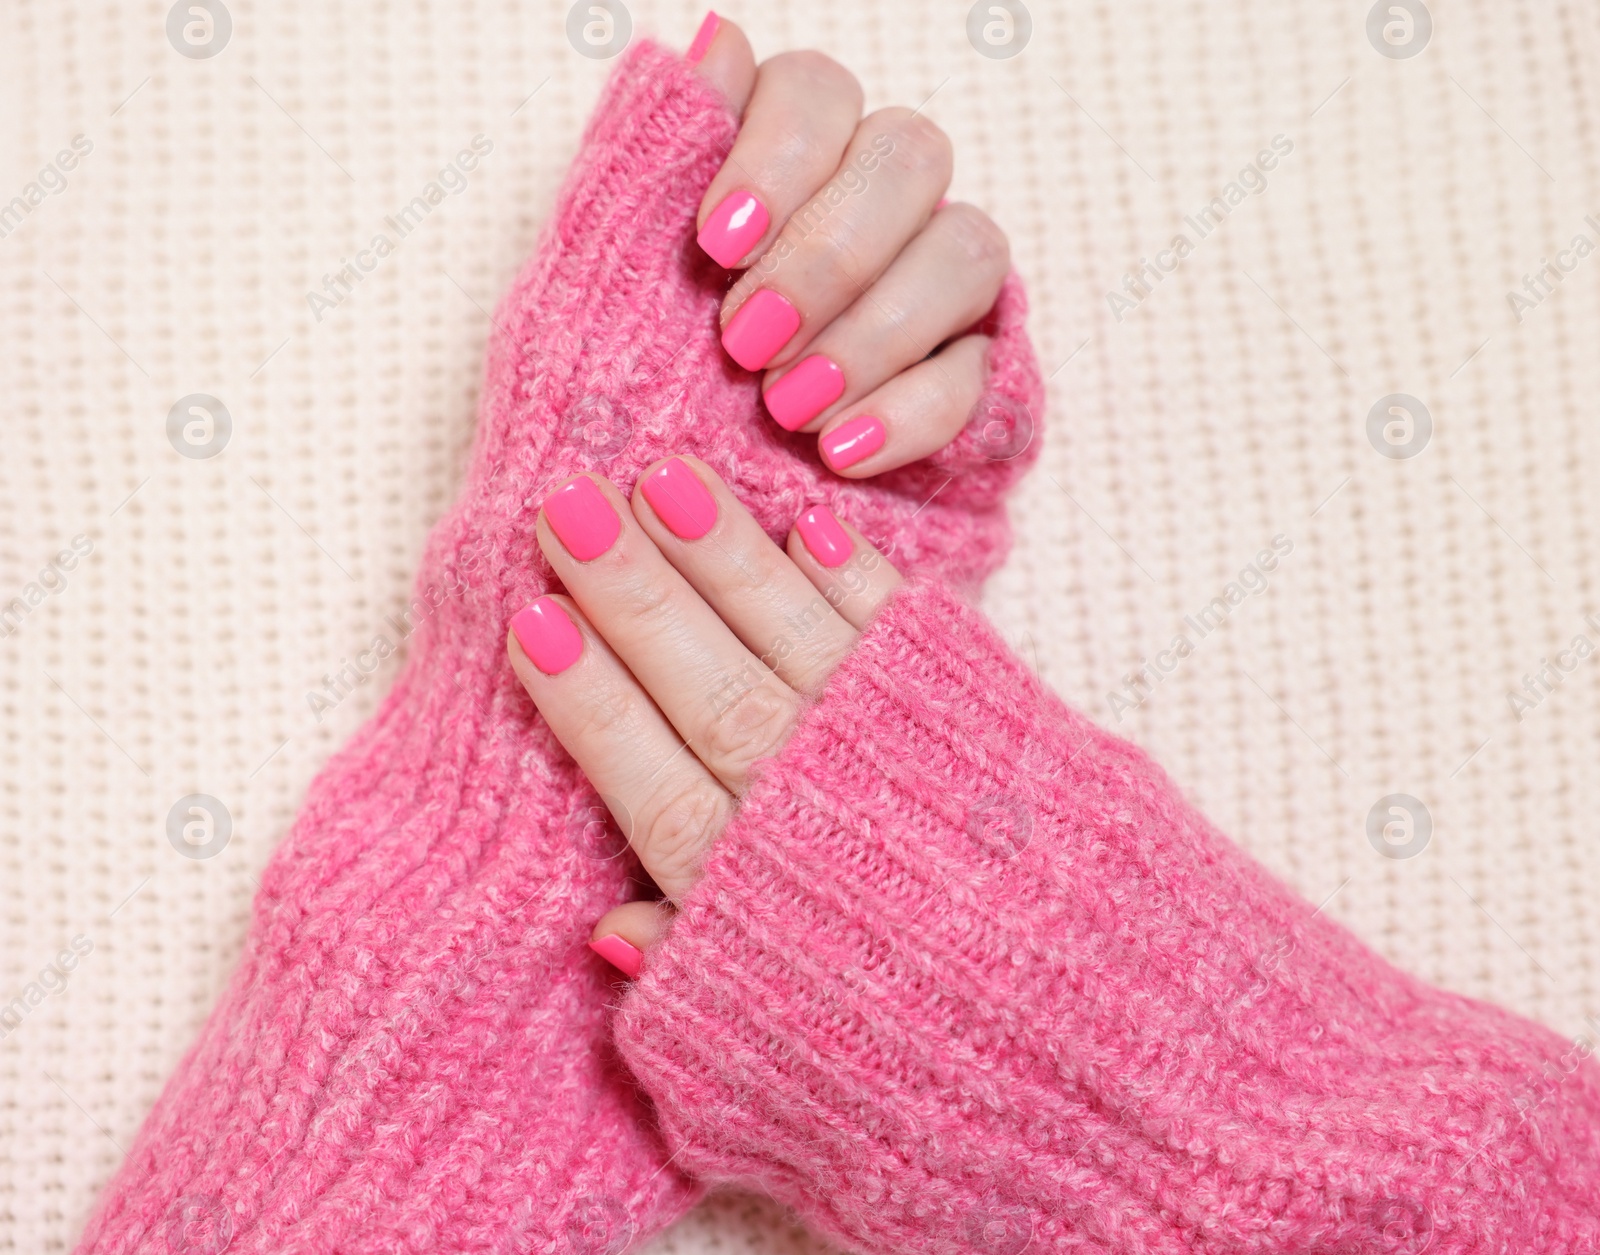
<point>967,976</point>
<point>414,1053</point>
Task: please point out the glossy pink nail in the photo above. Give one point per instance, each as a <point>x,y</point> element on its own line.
<point>804,392</point>
<point>762,326</point>
<point>850,442</point>
<point>548,636</point>
<point>582,519</point>
<point>703,38</point>
<point>622,955</point>
<point>680,500</point>
<point>733,228</point>
<point>824,539</point>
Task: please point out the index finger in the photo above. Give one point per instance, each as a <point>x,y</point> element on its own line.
<point>801,115</point>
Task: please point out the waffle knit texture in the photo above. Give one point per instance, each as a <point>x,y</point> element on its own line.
<point>966,974</point>
<point>412,1054</point>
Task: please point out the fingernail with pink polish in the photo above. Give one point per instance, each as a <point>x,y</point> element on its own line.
<point>824,539</point>
<point>763,325</point>
<point>733,228</point>
<point>850,442</point>
<point>626,958</point>
<point>582,519</point>
<point>804,392</point>
<point>680,500</point>
<point>703,38</point>
<point>548,636</point>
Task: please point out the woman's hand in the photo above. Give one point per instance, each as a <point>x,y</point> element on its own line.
<point>860,283</point>
<point>683,656</point>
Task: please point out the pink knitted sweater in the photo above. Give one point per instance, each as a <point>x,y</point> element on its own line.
<point>414,1054</point>
<point>965,974</point>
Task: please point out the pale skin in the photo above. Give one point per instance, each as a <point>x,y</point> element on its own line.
<point>886,280</point>
<point>692,670</point>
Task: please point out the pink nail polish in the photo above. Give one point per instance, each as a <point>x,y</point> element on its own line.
<point>582,519</point>
<point>824,539</point>
<point>850,442</point>
<point>804,392</point>
<point>703,38</point>
<point>626,958</point>
<point>733,228</point>
<point>763,325</point>
<point>548,636</point>
<point>680,500</point>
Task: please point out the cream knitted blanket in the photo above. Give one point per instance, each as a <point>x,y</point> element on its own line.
<point>1314,521</point>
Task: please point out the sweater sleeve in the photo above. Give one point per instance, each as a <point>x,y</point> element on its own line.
<point>967,974</point>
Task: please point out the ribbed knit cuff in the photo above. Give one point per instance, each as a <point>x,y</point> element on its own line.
<point>967,974</point>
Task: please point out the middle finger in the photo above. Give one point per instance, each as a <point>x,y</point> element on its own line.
<point>840,241</point>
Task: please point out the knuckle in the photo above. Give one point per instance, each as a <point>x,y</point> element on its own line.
<point>982,244</point>
<point>605,715</point>
<point>953,396</point>
<point>814,70</point>
<point>648,600</point>
<point>920,147</point>
<point>748,727</point>
<point>681,825</point>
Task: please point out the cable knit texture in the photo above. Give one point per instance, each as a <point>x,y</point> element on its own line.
<point>966,974</point>
<point>413,1054</point>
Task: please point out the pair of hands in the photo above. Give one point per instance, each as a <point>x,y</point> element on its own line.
<point>689,641</point>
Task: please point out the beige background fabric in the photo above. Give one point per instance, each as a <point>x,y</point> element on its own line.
<point>175,652</point>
